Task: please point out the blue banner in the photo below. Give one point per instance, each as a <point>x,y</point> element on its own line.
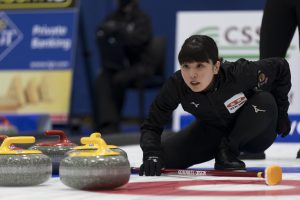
<point>37,40</point>
<point>294,135</point>
<point>37,50</point>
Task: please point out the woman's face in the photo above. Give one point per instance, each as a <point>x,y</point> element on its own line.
<point>199,75</point>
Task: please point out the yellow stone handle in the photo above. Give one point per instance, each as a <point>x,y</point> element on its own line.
<point>95,135</point>
<point>98,142</point>
<point>5,146</point>
<point>93,142</point>
<point>98,135</point>
<point>89,143</point>
<point>100,146</point>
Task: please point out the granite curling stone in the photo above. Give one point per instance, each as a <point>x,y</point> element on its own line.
<point>23,167</point>
<point>55,150</point>
<point>7,128</point>
<point>94,169</point>
<point>93,146</point>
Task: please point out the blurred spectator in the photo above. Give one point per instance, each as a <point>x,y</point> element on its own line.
<point>122,40</point>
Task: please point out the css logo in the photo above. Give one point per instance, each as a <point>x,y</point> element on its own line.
<point>234,42</point>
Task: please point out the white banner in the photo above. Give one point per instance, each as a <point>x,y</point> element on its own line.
<point>237,36</point>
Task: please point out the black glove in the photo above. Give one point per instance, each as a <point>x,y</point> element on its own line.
<point>283,125</point>
<point>151,166</point>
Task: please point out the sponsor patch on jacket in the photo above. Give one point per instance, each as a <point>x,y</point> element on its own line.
<point>262,79</point>
<point>235,102</point>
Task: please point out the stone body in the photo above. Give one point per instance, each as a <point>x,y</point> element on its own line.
<point>56,153</point>
<point>94,172</point>
<point>24,169</point>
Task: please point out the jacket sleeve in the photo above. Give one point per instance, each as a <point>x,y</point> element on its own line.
<point>133,29</point>
<point>137,31</point>
<point>160,113</point>
<point>272,74</point>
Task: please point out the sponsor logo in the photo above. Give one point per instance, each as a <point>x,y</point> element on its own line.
<point>50,37</point>
<point>32,4</point>
<point>235,102</point>
<point>10,35</point>
<point>256,110</point>
<point>195,104</point>
<point>192,172</point>
<point>262,79</point>
<point>236,41</point>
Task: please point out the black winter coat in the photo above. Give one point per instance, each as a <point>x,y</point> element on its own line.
<point>219,106</point>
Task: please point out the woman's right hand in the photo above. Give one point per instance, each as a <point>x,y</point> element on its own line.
<point>151,166</point>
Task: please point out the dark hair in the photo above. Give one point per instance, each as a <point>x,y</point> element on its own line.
<point>198,48</point>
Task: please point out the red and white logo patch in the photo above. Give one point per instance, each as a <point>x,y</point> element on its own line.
<point>235,102</point>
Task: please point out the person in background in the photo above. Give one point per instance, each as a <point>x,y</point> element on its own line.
<point>122,40</point>
<point>237,106</point>
<point>280,20</point>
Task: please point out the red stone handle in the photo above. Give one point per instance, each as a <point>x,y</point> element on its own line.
<point>4,121</point>
<point>62,136</point>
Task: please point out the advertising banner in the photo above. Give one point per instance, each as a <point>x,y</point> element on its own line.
<point>237,36</point>
<point>35,4</point>
<point>36,61</point>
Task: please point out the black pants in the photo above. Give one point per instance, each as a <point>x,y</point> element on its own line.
<point>109,101</point>
<point>280,19</point>
<point>118,74</point>
<point>254,131</point>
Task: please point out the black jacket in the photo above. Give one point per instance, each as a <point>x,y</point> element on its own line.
<point>242,76</point>
<point>132,30</point>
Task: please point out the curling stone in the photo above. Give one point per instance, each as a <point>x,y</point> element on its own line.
<point>7,128</point>
<point>94,169</point>
<point>93,146</point>
<point>23,167</point>
<point>55,150</point>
